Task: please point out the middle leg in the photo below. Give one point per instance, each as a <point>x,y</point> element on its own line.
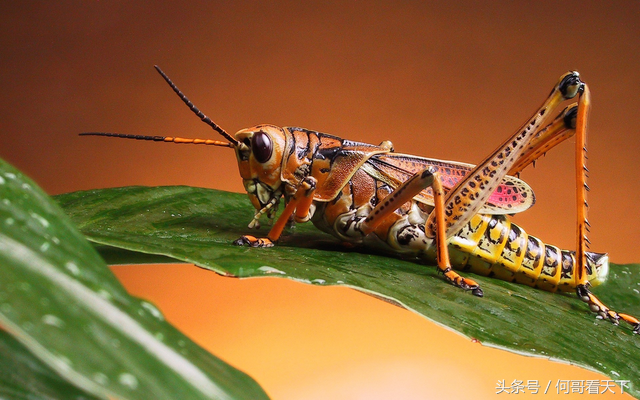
<point>406,192</point>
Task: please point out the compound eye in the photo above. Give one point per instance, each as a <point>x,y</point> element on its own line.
<point>261,147</point>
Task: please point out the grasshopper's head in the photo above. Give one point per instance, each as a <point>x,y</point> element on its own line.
<point>259,151</point>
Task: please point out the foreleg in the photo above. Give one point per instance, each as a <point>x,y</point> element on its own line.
<point>300,204</point>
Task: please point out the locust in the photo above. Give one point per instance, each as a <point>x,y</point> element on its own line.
<point>453,214</point>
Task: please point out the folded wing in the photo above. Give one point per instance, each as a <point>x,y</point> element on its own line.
<point>512,196</point>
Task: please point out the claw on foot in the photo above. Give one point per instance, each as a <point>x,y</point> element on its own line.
<point>633,321</point>
<point>252,241</point>
<point>463,283</point>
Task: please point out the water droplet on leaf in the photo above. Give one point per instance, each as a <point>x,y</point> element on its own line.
<point>128,380</point>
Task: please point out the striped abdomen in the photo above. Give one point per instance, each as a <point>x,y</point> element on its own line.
<point>493,246</point>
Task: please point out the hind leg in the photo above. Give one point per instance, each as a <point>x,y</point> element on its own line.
<point>573,121</point>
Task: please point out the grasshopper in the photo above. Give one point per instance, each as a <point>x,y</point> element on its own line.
<point>453,213</point>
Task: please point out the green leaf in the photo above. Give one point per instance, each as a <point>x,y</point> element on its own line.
<point>60,300</point>
<point>25,377</point>
<point>199,225</point>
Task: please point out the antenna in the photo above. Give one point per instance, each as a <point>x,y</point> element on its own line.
<point>168,139</point>
<point>195,109</point>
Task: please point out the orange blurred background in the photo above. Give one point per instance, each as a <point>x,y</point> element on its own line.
<point>439,80</point>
